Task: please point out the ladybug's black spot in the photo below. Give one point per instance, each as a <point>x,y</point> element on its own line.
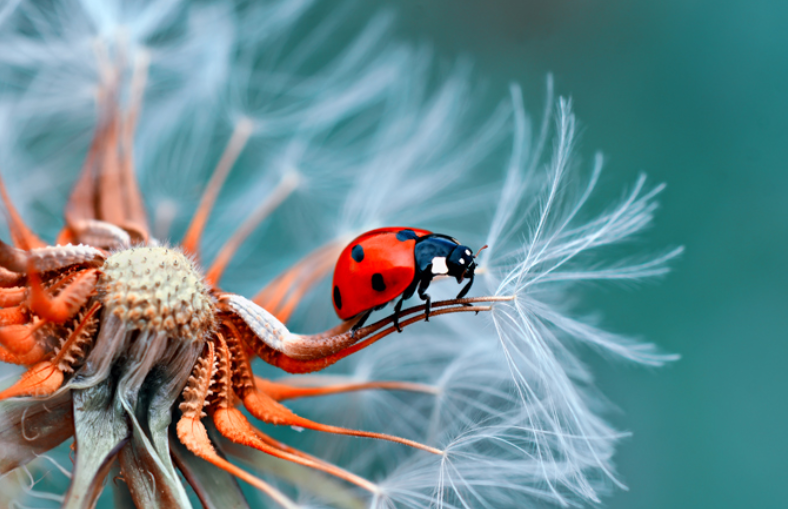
<point>357,253</point>
<point>404,235</point>
<point>337,298</point>
<point>377,282</point>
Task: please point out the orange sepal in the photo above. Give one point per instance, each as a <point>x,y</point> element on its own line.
<point>19,339</point>
<point>12,296</point>
<point>26,359</point>
<point>194,436</point>
<point>22,236</point>
<point>16,315</point>
<point>41,380</point>
<point>268,410</point>
<point>61,308</point>
<point>232,424</point>
<point>281,392</point>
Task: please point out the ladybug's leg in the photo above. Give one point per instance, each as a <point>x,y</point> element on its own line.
<point>465,289</point>
<point>395,316</point>
<point>425,283</point>
<point>360,323</point>
<point>407,294</point>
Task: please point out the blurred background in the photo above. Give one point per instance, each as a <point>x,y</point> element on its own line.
<point>693,93</point>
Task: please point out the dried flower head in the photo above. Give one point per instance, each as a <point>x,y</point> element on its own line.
<point>138,355</point>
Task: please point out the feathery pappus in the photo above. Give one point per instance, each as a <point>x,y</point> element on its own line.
<point>218,158</point>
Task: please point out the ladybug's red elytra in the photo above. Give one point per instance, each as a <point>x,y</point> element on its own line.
<point>383,264</point>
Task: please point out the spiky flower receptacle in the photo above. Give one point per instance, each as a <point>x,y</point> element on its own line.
<point>159,290</point>
<point>138,357</point>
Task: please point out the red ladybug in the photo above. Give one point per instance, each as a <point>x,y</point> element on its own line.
<point>383,264</point>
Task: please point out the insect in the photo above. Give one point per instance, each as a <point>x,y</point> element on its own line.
<point>381,265</point>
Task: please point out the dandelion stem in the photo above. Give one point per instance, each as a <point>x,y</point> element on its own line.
<point>282,295</point>
<point>135,208</point>
<point>285,188</point>
<point>364,332</point>
<point>241,133</point>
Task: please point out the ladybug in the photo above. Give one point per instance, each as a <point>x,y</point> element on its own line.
<point>383,264</point>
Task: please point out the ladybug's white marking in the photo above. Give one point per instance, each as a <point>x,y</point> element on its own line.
<point>468,252</point>
<point>462,261</point>
<point>439,265</point>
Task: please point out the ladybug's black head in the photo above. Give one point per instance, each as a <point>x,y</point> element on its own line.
<point>461,263</point>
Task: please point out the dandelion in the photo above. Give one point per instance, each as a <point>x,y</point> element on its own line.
<point>162,372</point>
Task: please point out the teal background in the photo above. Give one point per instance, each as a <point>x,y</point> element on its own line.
<point>692,92</point>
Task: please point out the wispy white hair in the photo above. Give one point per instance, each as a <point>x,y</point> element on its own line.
<point>515,407</point>
<point>374,142</point>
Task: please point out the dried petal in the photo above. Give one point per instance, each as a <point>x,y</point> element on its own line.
<point>32,427</point>
<point>101,430</point>
<point>215,488</point>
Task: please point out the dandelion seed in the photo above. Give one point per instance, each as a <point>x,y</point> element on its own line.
<point>137,350</point>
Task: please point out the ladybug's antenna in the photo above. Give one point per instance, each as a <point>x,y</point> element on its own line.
<point>480,250</point>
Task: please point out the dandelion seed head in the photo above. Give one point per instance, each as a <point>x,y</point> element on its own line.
<point>157,289</point>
